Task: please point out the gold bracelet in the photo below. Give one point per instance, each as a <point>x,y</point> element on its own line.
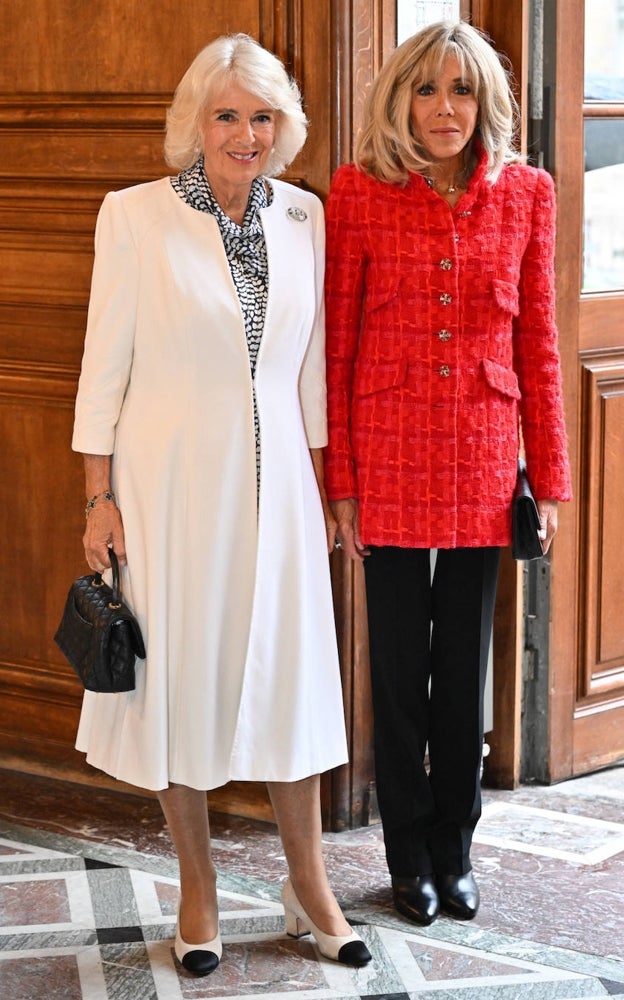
<point>107,495</point>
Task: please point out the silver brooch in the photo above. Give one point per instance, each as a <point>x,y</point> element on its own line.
<point>297,214</point>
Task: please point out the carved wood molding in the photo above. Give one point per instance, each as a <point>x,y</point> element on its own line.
<point>364,33</point>
<point>25,677</point>
<point>68,286</point>
<point>77,111</point>
<point>600,673</point>
<point>43,384</point>
<point>57,141</point>
<point>57,237</point>
<point>113,156</point>
<point>52,209</point>
<point>281,31</point>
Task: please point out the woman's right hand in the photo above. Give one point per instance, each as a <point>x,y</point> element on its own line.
<point>104,529</point>
<point>348,531</point>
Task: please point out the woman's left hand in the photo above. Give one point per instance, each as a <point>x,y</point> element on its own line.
<point>331,525</point>
<point>547,510</point>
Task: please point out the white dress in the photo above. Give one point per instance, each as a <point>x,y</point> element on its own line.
<point>232,590</point>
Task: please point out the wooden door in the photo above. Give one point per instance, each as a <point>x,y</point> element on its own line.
<point>587,641</point>
<point>559,634</point>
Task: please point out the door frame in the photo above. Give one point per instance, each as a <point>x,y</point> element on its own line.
<point>567,164</point>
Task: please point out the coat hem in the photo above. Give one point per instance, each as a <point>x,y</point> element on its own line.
<point>308,772</point>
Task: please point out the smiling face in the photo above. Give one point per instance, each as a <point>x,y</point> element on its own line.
<point>238,136</point>
<point>444,115</point>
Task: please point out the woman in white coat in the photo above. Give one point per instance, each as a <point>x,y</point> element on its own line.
<point>201,418</point>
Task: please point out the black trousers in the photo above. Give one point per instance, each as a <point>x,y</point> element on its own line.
<point>429,645</point>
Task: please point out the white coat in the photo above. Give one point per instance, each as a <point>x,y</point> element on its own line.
<point>232,591</point>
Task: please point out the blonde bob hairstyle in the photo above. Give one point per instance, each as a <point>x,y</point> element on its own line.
<point>387,146</point>
<point>241,60</point>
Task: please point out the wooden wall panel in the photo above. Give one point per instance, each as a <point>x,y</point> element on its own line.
<point>35,335</point>
<point>508,25</point>
<point>83,94</point>
<point>111,46</point>
<point>40,484</point>
<point>82,111</point>
<point>600,321</point>
<point>611,592</point>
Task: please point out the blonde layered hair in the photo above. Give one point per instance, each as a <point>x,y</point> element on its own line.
<point>387,146</point>
<point>241,60</point>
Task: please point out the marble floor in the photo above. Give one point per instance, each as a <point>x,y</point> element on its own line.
<point>88,892</point>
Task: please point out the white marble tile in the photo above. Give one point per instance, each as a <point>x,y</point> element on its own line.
<point>91,974</point>
<point>147,898</point>
<point>12,851</point>
<point>607,784</point>
<point>425,965</point>
<point>78,898</point>
<point>86,960</point>
<point>551,834</point>
<point>166,979</point>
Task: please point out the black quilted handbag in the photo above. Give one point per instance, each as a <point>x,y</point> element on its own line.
<point>525,522</point>
<point>99,635</point>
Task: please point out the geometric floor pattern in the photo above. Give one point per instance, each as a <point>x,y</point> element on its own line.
<point>82,922</point>
<point>89,889</point>
<point>550,834</point>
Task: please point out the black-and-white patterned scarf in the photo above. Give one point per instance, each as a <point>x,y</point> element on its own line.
<point>246,252</point>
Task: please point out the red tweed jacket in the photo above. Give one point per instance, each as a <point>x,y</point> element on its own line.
<point>440,337</point>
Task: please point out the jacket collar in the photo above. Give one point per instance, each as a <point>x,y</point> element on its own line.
<point>478,185</point>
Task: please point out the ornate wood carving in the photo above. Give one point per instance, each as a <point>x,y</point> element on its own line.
<point>365,33</point>
<point>281,31</point>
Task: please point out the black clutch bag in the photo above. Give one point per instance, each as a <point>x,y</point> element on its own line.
<point>525,522</point>
<point>99,635</point>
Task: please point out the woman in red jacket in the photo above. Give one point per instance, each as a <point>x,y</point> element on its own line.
<point>440,338</point>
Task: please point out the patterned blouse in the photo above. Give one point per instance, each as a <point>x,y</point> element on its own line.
<point>246,253</point>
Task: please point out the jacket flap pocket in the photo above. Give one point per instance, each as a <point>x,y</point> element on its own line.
<point>375,377</point>
<point>506,296</point>
<point>503,379</point>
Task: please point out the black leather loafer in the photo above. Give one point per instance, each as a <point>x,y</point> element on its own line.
<point>416,898</point>
<point>459,895</point>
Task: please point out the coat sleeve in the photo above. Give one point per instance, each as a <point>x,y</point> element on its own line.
<point>344,291</point>
<point>536,356</point>
<point>107,358</point>
<point>312,385</point>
